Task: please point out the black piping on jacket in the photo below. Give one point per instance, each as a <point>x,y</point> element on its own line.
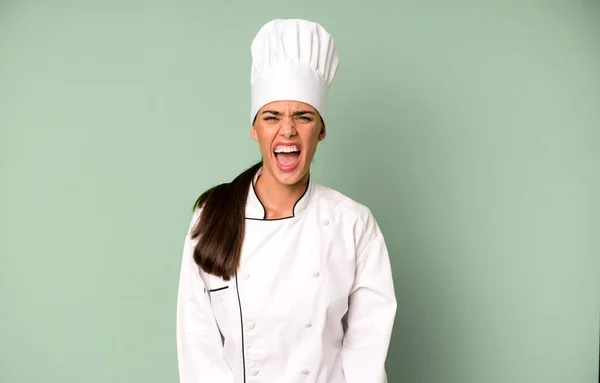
<point>236,277</point>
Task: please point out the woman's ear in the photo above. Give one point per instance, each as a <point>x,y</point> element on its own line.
<point>323,133</point>
<point>253,133</point>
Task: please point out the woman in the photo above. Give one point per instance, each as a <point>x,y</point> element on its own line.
<point>282,279</point>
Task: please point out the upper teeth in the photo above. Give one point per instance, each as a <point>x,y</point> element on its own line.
<point>286,149</point>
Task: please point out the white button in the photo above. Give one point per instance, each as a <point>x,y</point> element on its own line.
<point>325,222</point>
<point>315,274</point>
<point>251,325</point>
<point>254,372</point>
<point>307,324</point>
<point>304,372</point>
<point>246,276</point>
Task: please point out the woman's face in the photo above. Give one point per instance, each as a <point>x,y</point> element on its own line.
<point>288,133</point>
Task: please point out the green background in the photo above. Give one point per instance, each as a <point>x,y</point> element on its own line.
<point>470,129</point>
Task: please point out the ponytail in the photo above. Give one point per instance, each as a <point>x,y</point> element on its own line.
<point>221,226</point>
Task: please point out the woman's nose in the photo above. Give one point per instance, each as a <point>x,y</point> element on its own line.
<point>288,129</point>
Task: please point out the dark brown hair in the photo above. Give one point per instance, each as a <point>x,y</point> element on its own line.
<point>221,226</point>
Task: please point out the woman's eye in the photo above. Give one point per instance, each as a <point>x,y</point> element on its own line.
<point>269,118</point>
<point>305,118</point>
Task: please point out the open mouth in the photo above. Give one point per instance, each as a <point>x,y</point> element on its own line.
<point>287,155</point>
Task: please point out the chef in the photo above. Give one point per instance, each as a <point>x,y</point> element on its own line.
<point>284,280</point>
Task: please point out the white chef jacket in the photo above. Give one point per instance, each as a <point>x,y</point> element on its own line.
<point>313,300</point>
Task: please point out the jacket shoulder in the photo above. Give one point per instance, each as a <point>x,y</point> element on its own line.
<point>365,229</point>
<point>349,208</point>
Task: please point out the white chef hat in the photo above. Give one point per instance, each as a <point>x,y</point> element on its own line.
<point>292,59</point>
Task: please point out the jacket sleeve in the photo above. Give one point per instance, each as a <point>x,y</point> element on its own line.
<point>199,345</point>
<point>371,312</point>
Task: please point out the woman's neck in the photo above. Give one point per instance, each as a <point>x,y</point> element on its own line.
<point>278,199</point>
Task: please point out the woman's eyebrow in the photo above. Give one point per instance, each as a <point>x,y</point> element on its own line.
<point>297,113</point>
<point>273,112</point>
<point>301,112</point>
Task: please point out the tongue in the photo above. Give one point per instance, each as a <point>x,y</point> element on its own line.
<point>287,159</point>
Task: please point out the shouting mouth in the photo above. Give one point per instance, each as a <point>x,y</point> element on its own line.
<point>287,157</point>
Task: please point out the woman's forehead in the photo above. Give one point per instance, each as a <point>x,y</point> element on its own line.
<point>285,107</point>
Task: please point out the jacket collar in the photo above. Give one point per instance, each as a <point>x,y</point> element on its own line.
<point>256,210</point>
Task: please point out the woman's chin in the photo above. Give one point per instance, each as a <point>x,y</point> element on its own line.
<point>288,175</point>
